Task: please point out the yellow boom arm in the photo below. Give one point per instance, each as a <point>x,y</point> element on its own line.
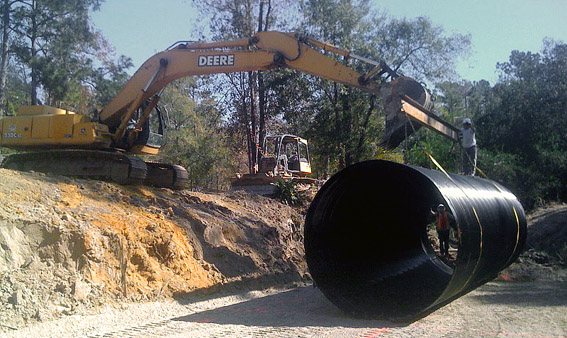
<point>265,50</point>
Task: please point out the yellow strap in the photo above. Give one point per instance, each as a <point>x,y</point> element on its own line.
<point>435,162</point>
<point>481,172</point>
<point>443,170</point>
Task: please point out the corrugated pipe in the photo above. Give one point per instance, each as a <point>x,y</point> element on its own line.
<point>367,246</point>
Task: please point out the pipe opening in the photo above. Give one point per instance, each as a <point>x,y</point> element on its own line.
<point>367,245</point>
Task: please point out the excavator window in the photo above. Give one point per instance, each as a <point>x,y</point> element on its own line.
<point>271,147</point>
<point>292,153</point>
<point>152,134</point>
<point>303,152</point>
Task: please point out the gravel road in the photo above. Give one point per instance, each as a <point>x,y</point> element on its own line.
<point>497,309</point>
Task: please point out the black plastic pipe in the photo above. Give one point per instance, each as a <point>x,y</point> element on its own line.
<point>366,238</point>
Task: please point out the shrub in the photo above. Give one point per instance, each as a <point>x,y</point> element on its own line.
<point>287,192</point>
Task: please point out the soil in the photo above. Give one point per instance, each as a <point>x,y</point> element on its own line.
<point>545,254</point>
<point>68,245</point>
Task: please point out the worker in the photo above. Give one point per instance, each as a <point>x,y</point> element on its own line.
<point>444,220</point>
<point>468,141</point>
<point>282,166</point>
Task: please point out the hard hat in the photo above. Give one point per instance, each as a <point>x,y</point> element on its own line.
<point>467,121</point>
<point>440,206</point>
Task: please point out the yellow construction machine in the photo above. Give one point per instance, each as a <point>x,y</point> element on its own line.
<point>69,143</point>
<point>281,158</point>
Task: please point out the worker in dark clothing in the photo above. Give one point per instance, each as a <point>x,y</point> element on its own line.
<point>444,221</point>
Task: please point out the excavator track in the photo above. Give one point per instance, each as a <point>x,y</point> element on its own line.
<point>164,175</point>
<point>104,165</point>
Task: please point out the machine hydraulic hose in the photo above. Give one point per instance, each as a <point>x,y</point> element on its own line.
<point>367,246</point>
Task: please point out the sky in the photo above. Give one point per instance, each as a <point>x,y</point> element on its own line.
<point>141,28</point>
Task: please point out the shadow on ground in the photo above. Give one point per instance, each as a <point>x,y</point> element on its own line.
<point>522,293</point>
<point>301,307</point>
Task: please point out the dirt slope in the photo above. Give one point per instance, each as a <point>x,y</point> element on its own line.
<point>69,244</point>
<point>545,254</point>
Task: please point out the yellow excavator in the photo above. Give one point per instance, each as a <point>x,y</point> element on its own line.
<point>68,143</point>
<point>282,157</point>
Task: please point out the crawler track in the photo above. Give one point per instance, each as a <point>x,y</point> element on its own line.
<point>110,166</point>
<point>166,175</point>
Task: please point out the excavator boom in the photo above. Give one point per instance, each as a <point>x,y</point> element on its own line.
<point>264,51</point>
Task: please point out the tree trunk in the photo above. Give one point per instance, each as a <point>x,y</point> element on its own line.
<point>248,132</point>
<point>253,132</point>
<point>33,38</point>
<point>261,89</point>
<point>362,137</point>
<point>4,54</point>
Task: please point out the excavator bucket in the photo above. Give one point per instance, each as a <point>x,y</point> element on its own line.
<point>407,106</point>
<point>398,125</point>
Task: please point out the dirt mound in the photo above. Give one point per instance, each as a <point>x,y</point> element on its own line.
<point>548,232</point>
<point>70,244</point>
<point>545,255</point>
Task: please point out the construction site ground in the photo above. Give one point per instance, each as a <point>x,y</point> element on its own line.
<point>95,259</point>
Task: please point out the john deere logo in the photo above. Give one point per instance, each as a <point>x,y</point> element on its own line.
<point>216,60</point>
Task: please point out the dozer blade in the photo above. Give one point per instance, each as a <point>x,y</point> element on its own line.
<point>261,184</point>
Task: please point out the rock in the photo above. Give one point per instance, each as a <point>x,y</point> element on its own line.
<point>61,288</point>
<point>39,315</point>
<point>17,298</point>
<point>81,290</point>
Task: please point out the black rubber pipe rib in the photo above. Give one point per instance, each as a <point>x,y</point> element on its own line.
<point>366,238</point>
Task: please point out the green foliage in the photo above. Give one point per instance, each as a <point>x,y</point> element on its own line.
<point>520,123</point>
<point>109,78</point>
<point>287,192</point>
<point>196,137</point>
<point>53,45</point>
<point>16,93</point>
<point>347,123</point>
<point>342,124</point>
<point>417,47</point>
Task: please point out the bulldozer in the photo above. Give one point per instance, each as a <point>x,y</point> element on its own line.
<point>282,157</point>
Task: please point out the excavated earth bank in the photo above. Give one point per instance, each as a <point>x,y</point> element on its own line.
<point>67,245</point>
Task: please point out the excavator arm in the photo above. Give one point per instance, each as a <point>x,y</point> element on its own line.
<point>402,97</point>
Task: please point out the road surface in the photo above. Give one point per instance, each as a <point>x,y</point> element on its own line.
<point>497,309</point>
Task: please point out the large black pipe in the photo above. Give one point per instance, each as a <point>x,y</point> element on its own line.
<point>366,238</point>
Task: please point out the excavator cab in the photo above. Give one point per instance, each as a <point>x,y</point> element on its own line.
<point>285,155</point>
<point>151,138</point>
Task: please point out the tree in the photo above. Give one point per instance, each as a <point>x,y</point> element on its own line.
<point>237,19</point>
<point>196,137</point>
<point>4,49</point>
<point>50,40</point>
<point>418,48</point>
<point>341,122</point>
<point>522,122</point>
<point>348,120</point>
<point>51,45</point>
